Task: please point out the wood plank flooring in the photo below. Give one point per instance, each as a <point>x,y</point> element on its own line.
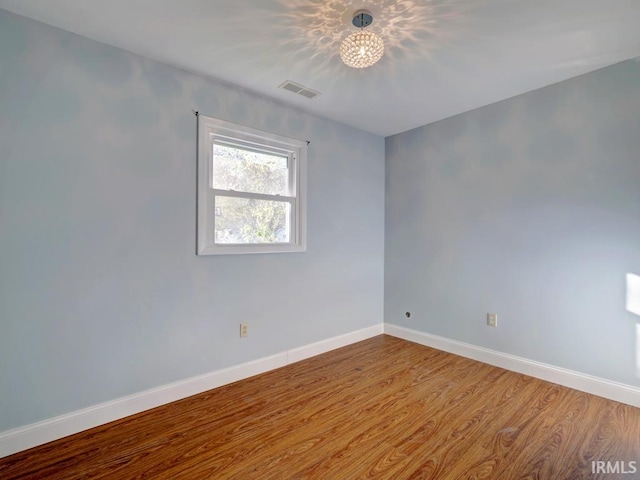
<point>383,408</point>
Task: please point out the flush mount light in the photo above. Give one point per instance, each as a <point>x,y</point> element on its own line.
<point>363,48</point>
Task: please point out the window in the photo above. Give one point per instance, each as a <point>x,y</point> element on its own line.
<point>251,196</point>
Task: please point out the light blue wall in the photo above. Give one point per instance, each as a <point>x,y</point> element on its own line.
<point>529,208</point>
<point>101,293</point>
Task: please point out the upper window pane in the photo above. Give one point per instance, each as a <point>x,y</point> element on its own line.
<point>245,170</point>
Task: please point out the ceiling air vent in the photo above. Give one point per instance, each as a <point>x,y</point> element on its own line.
<point>299,89</point>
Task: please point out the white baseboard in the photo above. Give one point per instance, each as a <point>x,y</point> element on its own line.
<point>619,392</point>
<point>297,354</point>
<point>22,438</point>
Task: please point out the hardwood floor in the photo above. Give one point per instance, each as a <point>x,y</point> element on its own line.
<point>383,408</point>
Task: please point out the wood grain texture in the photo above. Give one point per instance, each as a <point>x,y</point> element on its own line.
<point>383,408</point>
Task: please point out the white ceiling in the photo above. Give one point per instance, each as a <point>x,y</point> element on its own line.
<point>442,57</point>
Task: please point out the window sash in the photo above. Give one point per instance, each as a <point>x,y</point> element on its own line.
<point>292,166</point>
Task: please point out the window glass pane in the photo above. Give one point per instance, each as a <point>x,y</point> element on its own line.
<point>249,220</point>
<point>248,171</point>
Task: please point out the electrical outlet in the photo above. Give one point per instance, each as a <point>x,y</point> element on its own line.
<point>492,319</point>
<point>244,329</point>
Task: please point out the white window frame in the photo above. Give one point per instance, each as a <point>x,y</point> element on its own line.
<point>212,130</point>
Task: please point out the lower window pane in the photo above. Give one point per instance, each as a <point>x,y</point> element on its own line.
<point>249,220</point>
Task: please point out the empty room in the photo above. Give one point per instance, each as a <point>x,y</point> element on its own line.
<point>313,239</point>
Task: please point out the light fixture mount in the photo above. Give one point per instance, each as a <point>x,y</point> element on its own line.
<point>362,19</point>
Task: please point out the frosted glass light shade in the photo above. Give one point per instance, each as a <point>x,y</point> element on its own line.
<point>361,49</point>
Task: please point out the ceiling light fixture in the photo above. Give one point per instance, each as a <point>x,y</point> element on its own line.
<point>363,48</point>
